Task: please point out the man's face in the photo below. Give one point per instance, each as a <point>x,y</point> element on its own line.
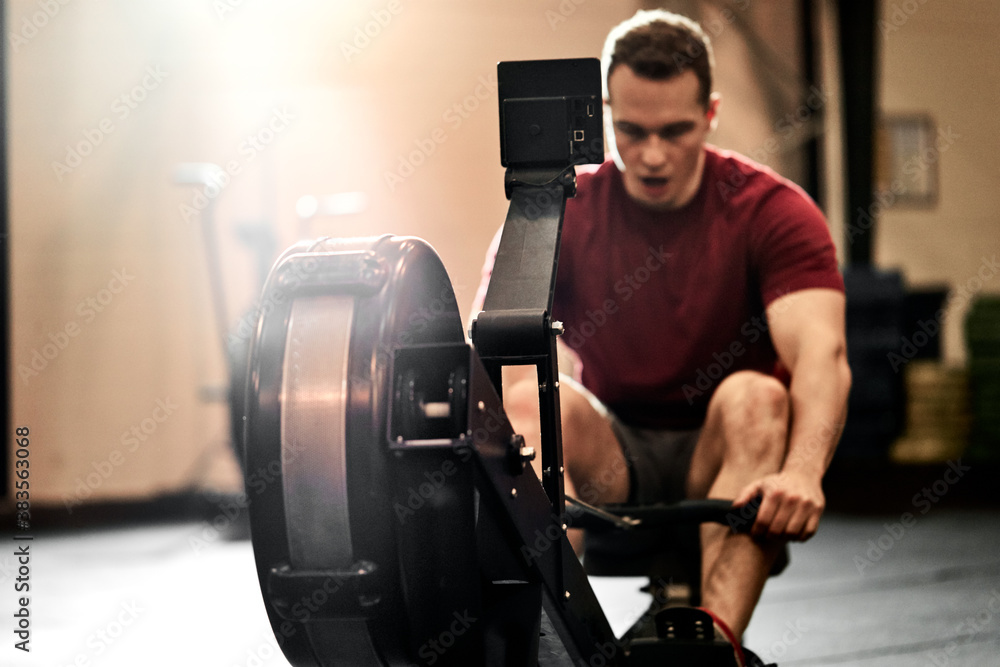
<point>659,131</point>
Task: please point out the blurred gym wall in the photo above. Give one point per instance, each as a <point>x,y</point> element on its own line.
<point>940,61</point>
<point>117,364</point>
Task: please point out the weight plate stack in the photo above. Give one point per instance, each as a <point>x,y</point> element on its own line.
<point>937,414</point>
<point>982,338</point>
<point>876,406</point>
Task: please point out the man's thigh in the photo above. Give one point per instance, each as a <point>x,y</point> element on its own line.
<point>659,461</point>
<point>595,462</point>
<point>644,465</point>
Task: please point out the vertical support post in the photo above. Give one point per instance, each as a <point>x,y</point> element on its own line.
<point>515,327</point>
<point>551,428</point>
<point>857,65</point>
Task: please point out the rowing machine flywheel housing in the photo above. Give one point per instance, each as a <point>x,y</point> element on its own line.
<point>337,514</point>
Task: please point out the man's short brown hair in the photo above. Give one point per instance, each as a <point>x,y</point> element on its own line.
<point>659,45</point>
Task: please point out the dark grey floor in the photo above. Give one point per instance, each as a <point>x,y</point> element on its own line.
<point>180,595</point>
<point>873,591</point>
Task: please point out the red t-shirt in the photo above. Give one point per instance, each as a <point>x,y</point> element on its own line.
<point>661,305</point>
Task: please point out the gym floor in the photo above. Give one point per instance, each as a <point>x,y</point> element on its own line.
<point>916,588</point>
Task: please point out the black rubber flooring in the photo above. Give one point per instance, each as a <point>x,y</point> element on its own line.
<point>865,591</point>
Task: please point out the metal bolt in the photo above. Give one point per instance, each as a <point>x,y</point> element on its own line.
<point>528,453</point>
<point>561,470</point>
<point>481,406</point>
<point>557,328</point>
<point>567,595</point>
<point>513,493</point>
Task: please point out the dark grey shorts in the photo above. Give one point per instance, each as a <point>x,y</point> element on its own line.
<point>658,459</point>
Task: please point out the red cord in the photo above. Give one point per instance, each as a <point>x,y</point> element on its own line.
<point>741,659</point>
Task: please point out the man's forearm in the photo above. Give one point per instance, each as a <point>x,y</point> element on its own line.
<point>818,393</point>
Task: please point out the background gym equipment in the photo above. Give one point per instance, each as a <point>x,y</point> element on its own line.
<point>982,335</point>
<point>395,517</point>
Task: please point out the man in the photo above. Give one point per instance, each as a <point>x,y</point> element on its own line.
<point>704,312</point>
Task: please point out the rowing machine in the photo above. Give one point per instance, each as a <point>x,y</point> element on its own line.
<point>401,522</point>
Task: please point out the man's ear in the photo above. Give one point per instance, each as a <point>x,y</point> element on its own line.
<point>714,100</point>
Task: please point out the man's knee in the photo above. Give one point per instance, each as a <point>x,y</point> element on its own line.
<point>521,407</point>
<point>758,404</point>
<point>520,401</point>
<point>580,420</point>
<point>753,396</point>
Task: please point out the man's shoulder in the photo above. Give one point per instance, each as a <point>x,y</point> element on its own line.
<point>735,177</point>
<point>593,178</point>
<point>597,189</point>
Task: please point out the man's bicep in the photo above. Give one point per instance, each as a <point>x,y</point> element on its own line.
<point>809,319</point>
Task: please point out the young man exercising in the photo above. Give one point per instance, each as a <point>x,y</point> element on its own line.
<point>704,317</point>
